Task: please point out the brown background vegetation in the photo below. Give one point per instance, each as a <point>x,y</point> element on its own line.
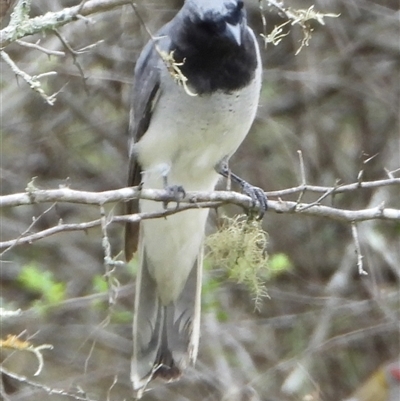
<point>337,101</point>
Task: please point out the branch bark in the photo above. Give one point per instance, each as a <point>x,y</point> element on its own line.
<point>65,194</point>
<point>51,20</point>
<point>192,200</point>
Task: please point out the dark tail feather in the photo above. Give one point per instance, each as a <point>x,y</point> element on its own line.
<point>131,238</point>
<point>165,337</point>
<point>131,230</point>
<point>132,207</point>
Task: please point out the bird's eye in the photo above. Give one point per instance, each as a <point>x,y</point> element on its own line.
<point>235,13</point>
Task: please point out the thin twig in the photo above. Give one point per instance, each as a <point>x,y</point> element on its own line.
<point>337,189</point>
<point>52,20</point>
<point>25,233</point>
<point>263,21</point>
<point>279,206</point>
<point>115,381</point>
<point>74,55</point>
<point>134,218</point>
<point>168,58</point>
<point>354,233</point>
<point>141,20</point>
<point>4,313</point>
<point>80,6</point>
<point>33,82</point>
<point>303,175</point>
<point>50,390</point>
<point>302,168</point>
<point>40,48</point>
<point>319,200</point>
<point>15,343</point>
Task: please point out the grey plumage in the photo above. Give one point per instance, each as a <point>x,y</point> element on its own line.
<point>181,139</point>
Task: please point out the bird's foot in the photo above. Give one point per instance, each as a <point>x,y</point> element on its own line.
<point>175,193</point>
<point>259,199</point>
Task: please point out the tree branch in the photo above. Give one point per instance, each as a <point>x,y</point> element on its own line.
<point>192,200</point>
<point>33,82</point>
<point>49,390</point>
<point>339,189</point>
<point>360,264</point>
<point>65,194</point>
<point>51,20</point>
<point>36,46</point>
<point>64,227</point>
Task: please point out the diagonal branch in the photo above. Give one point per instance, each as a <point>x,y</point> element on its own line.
<point>52,20</point>
<point>33,82</point>
<point>46,389</point>
<point>64,227</point>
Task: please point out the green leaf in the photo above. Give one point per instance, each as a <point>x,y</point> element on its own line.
<point>279,263</point>
<point>33,279</point>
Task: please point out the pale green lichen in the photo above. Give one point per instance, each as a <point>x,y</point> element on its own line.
<point>239,247</point>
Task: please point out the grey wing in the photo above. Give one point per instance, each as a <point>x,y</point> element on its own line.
<point>145,90</point>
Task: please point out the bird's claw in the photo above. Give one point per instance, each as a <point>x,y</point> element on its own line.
<point>175,193</point>
<point>258,197</point>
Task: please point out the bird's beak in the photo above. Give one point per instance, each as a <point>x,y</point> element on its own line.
<point>236,32</point>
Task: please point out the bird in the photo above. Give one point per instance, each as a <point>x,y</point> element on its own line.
<point>183,133</point>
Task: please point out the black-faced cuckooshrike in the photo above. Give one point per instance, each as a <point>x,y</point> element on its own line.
<point>183,141</point>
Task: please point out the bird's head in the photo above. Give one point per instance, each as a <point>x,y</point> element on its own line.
<point>221,20</point>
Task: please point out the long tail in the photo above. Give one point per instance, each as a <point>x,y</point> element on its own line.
<point>165,337</point>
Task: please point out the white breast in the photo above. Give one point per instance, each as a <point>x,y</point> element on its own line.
<point>192,134</point>
<point>187,137</point>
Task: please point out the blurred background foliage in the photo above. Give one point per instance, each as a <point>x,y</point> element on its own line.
<point>324,328</point>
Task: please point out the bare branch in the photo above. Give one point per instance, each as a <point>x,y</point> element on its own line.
<point>28,239</point>
<point>47,389</point>
<point>168,58</point>
<point>52,20</point>
<point>28,230</point>
<point>4,313</point>
<point>40,48</point>
<point>303,175</point>
<point>192,200</point>
<point>74,55</point>
<point>134,218</point>
<point>33,82</point>
<point>319,200</point>
<point>378,212</point>
<point>115,381</point>
<point>65,194</point>
<point>33,196</point>
<point>336,189</point>
<point>360,266</point>
<point>14,343</point>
